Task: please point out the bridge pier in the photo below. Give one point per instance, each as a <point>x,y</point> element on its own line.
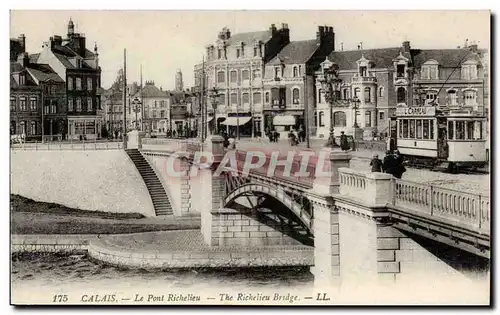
<point>327,260</point>
<point>185,168</point>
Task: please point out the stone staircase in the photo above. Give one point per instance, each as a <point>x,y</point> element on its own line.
<point>159,198</point>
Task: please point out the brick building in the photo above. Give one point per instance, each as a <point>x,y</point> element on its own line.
<point>235,66</point>
<point>382,79</point>
<point>289,81</point>
<point>79,68</point>
<point>25,100</point>
<point>156,104</point>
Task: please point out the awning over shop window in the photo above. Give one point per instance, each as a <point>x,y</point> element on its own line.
<point>284,120</point>
<point>233,121</point>
<point>209,119</point>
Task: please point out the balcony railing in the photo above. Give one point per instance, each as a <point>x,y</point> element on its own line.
<point>365,79</point>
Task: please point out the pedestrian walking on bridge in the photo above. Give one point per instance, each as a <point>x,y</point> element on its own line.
<point>376,164</point>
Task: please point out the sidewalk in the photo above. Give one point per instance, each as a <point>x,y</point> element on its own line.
<point>283,147</point>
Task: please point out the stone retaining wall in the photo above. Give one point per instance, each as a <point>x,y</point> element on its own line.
<point>49,243</point>
<point>230,257</point>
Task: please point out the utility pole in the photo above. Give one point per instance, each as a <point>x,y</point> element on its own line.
<point>203,109</point>
<point>142,105</point>
<point>124,97</point>
<point>306,113</point>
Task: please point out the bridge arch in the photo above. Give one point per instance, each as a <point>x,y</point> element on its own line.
<point>277,194</point>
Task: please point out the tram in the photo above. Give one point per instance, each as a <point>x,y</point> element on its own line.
<point>437,137</point>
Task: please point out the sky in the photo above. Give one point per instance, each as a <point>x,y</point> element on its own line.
<point>164,41</point>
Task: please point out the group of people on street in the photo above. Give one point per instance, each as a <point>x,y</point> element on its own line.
<point>392,164</point>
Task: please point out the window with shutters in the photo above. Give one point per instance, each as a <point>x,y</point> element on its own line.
<point>78,104</point>
<point>452,98</point>
<point>33,128</point>
<point>89,84</point>
<point>33,100</point>
<point>22,104</point>
<point>78,82</point>
<point>70,104</point>
<point>90,105</point>
<point>221,77</point>
<point>245,75</point>
<point>233,76</point>
<point>368,119</point>
<point>245,98</point>
<point>234,99</point>
<point>257,98</point>
<point>222,98</point>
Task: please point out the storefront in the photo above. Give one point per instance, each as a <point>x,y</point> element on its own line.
<point>238,125</point>
<point>84,127</point>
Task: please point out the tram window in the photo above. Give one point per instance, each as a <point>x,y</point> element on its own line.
<point>419,129</point>
<point>431,129</point>
<point>481,130</point>
<point>412,129</point>
<point>460,130</point>
<point>426,129</point>
<point>470,130</point>
<point>405,128</point>
<point>400,128</point>
<point>450,130</point>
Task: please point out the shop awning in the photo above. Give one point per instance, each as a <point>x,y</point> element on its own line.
<point>209,119</point>
<point>234,121</point>
<point>284,120</point>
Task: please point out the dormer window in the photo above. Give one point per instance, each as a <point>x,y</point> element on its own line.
<point>362,71</point>
<point>22,79</point>
<point>295,71</point>
<point>363,64</point>
<point>430,70</point>
<point>469,70</point>
<point>400,71</point>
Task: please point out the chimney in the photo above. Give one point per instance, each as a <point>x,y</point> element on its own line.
<point>406,47</point>
<point>24,59</point>
<point>22,40</point>
<point>284,26</point>
<point>320,34</point>
<point>466,43</point>
<point>359,47</point>
<point>473,47</point>
<point>272,29</point>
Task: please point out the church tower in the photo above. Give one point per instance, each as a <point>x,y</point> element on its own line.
<point>179,86</point>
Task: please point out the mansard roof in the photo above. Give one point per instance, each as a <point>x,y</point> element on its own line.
<point>379,58</point>
<point>298,52</point>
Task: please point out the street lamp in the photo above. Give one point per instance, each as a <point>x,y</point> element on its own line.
<point>355,101</point>
<point>214,96</point>
<point>136,102</point>
<point>330,83</point>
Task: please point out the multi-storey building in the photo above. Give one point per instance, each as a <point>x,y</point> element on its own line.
<point>55,124</point>
<point>376,81</point>
<point>289,84</point>
<point>369,84</point>
<point>235,66</point>
<point>25,100</point>
<point>80,70</point>
<point>156,104</point>
<point>179,85</point>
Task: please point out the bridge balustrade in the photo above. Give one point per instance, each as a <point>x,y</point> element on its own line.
<point>471,209</point>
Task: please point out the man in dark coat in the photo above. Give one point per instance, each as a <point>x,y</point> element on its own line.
<point>389,163</point>
<point>399,167</point>
<point>344,144</point>
<point>376,164</point>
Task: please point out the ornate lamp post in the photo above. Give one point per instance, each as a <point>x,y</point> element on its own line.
<point>355,105</point>
<point>331,83</point>
<point>214,97</point>
<point>136,102</point>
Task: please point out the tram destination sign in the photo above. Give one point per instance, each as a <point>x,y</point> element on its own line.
<point>416,111</point>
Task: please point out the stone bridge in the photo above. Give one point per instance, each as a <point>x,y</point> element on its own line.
<point>362,225</point>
